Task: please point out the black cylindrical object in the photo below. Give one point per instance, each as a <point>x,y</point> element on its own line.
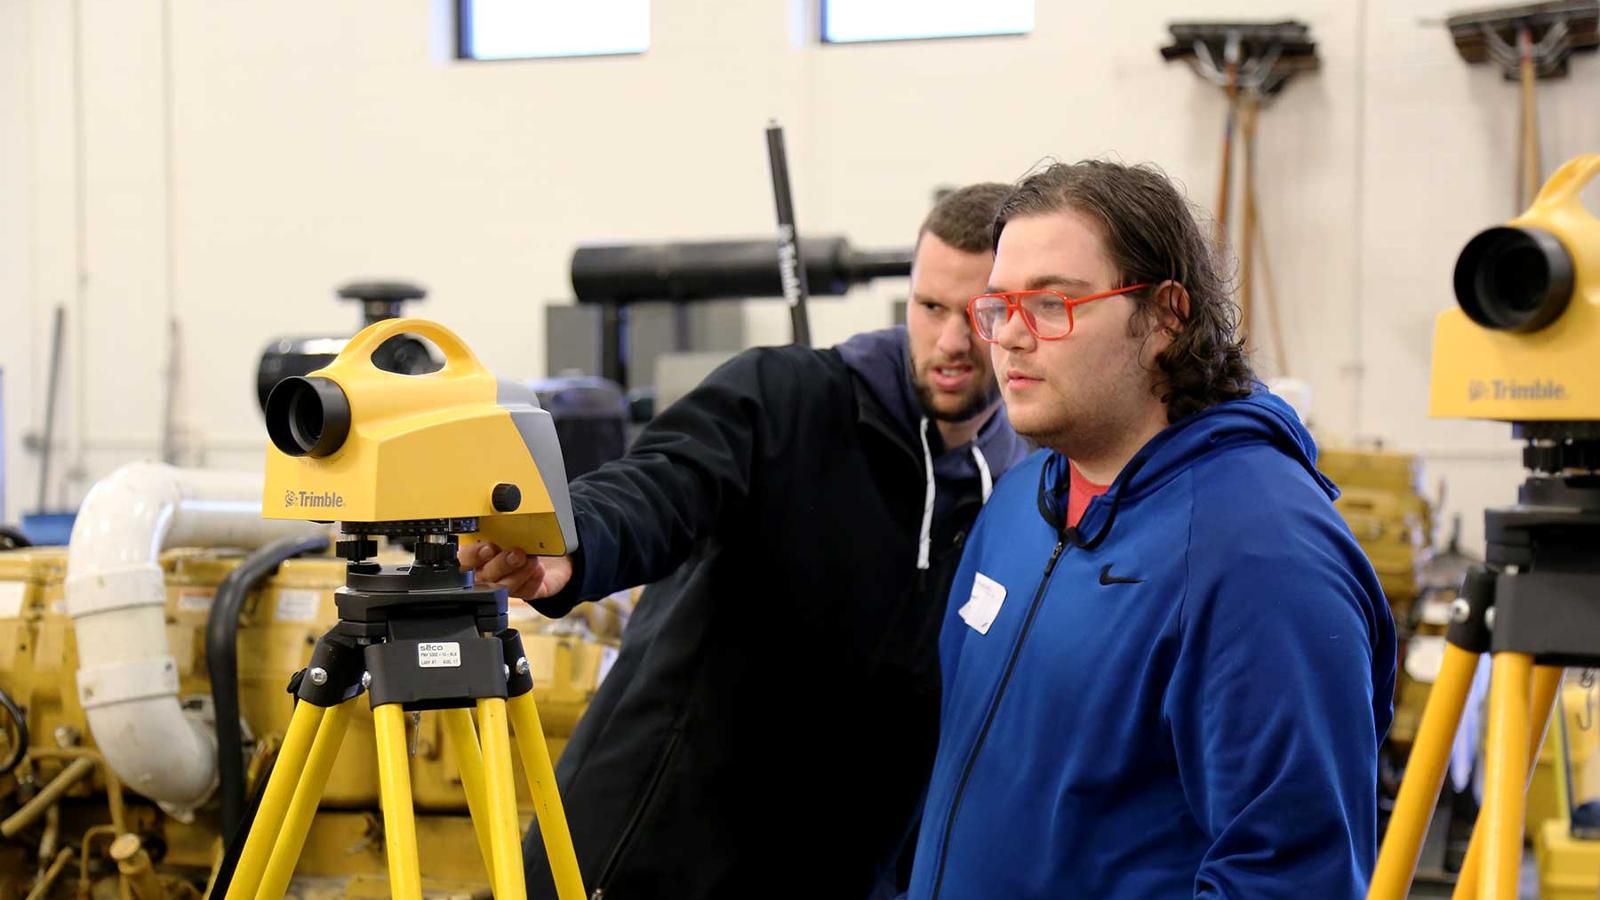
<point>222,661</point>
<point>285,357</point>
<point>718,270</point>
<point>19,728</point>
<point>591,419</point>
<point>1514,279</point>
<point>308,416</point>
<point>380,300</point>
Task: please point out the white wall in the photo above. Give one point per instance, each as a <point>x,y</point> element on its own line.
<point>16,297</point>
<point>238,160</point>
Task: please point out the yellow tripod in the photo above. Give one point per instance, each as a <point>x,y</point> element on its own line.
<point>1533,608</point>
<point>1521,695</point>
<point>414,637</point>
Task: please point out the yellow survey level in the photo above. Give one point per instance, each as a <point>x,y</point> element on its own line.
<point>353,443</point>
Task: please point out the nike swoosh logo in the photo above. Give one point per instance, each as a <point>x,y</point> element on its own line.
<point>1107,578</point>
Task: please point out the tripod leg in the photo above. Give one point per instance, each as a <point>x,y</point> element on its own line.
<point>1419,790</point>
<point>303,806</point>
<point>463,740</point>
<point>1506,756</point>
<point>546,797</point>
<point>1546,682</point>
<point>394,795</point>
<point>505,837</point>
<point>275,800</point>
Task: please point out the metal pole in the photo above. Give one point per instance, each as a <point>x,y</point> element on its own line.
<point>45,445</point>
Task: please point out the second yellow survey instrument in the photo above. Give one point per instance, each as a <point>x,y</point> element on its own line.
<point>1524,348</point>
<point>425,458</point>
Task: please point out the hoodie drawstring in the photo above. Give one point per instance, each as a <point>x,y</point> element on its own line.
<point>983,472</point>
<point>985,478</point>
<point>925,540</point>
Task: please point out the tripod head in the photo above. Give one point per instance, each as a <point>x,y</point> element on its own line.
<point>452,452</point>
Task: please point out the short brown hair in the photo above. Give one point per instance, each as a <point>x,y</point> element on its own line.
<point>1153,234</point>
<point>964,218</point>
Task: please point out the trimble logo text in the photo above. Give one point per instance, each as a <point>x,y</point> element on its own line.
<point>1540,389</point>
<point>313,499</point>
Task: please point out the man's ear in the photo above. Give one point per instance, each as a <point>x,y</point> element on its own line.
<point>1168,315</point>
<point>1172,306</point>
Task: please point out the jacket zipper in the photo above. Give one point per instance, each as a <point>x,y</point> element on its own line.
<point>626,837</point>
<point>994,707</point>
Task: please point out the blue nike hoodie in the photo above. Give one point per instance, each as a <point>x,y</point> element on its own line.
<point>1181,697</point>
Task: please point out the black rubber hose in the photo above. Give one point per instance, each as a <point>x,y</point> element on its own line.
<point>13,538</point>
<point>21,737</point>
<point>222,661</point>
<point>234,848</point>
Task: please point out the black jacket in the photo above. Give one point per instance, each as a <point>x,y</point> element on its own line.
<point>768,727</point>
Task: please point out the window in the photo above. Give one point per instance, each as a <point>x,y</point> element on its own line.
<point>532,29</point>
<point>851,21</point>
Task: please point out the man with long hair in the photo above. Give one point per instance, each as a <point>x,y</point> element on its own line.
<point>1167,664</point>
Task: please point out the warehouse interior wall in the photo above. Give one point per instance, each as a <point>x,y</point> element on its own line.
<point>188,179</point>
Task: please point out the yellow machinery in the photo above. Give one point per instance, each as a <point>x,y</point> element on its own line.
<point>1380,498</point>
<point>345,854</point>
<point>1568,776</point>
<point>1521,348</point>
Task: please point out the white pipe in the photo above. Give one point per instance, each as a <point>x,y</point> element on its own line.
<point>116,596</point>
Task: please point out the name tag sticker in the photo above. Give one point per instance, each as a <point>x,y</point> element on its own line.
<point>981,608</point>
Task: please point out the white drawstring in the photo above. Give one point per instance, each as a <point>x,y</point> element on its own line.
<point>983,472</point>
<point>925,542</point>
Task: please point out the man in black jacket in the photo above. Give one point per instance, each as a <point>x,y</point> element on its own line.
<point>769,724</point>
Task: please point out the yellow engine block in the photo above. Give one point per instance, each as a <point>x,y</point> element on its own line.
<point>279,624</point>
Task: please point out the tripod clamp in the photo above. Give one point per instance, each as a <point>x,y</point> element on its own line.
<point>338,672</point>
<point>1535,592</point>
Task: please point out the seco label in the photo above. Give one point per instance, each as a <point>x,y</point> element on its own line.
<point>442,655</point>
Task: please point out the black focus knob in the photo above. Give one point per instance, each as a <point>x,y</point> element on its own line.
<point>357,549</point>
<point>437,553</point>
<point>506,498</point>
